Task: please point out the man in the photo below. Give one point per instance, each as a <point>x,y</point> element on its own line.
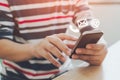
<point>32,35</point>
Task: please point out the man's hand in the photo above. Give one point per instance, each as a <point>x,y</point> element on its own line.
<point>53,46</point>
<point>93,53</point>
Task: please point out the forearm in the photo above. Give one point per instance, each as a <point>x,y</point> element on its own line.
<point>14,51</point>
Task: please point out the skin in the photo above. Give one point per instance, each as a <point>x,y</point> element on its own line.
<point>93,53</point>
<point>49,46</point>
<point>53,45</point>
<point>46,48</point>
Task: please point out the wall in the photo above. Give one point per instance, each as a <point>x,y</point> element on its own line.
<point>109,15</point>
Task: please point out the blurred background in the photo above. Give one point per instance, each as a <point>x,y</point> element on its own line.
<point>108,11</point>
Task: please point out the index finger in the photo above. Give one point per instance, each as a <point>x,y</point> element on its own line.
<point>95,46</point>
<point>59,44</point>
<point>64,36</point>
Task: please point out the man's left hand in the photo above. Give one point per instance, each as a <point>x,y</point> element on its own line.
<point>93,53</point>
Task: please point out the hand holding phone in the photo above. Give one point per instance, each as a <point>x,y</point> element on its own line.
<point>87,37</point>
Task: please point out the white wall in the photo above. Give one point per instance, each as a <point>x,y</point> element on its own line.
<point>109,16</point>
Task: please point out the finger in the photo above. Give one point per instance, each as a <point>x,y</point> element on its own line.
<point>86,57</point>
<point>49,57</point>
<point>95,46</point>
<point>64,36</point>
<point>43,53</point>
<point>75,56</point>
<point>55,51</point>
<point>71,46</point>
<point>83,51</point>
<point>59,44</point>
<point>94,63</point>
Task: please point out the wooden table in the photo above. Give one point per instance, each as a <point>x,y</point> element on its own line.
<point>109,70</point>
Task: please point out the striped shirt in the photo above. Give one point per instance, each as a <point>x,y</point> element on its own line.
<point>28,21</point>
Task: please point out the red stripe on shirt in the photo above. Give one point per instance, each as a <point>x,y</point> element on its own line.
<point>44,19</point>
<point>29,73</point>
<point>3,4</point>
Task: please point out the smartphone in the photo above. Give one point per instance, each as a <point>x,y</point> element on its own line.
<point>87,37</point>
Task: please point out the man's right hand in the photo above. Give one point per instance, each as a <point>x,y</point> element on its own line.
<point>53,45</point>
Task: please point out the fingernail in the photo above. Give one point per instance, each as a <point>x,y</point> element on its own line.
<point>74,57</point>
<point>69,52</point>
<point>78,51</point>
<point>89,46</point>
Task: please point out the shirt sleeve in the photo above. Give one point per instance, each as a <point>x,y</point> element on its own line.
<point>82,10</point>
<point>6,21</point>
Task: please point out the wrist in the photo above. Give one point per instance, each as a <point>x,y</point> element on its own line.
<point>34,51</point>
<point>30,50</point>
